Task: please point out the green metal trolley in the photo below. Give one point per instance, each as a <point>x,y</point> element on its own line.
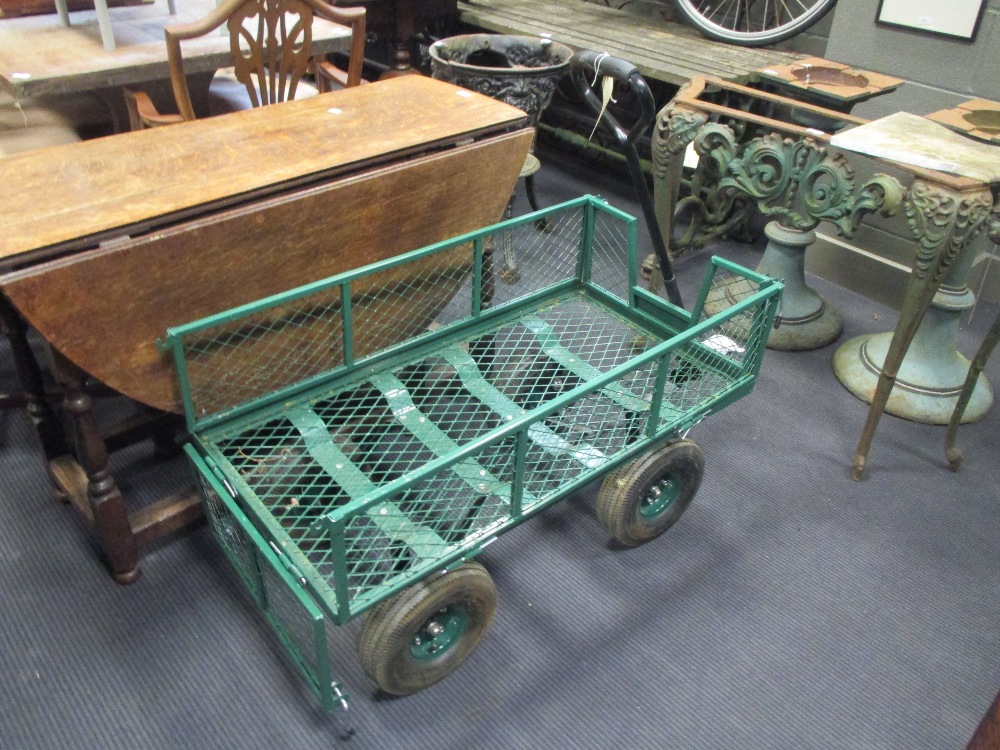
<point>360,439</point>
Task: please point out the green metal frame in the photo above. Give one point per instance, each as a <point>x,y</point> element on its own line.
<point>680,334</point>
<point>263,555</point>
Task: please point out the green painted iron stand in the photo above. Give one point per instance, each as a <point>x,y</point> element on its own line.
<point>787,173</point>
<point>916,371</point>
<point>944,213</point>
<point>922,370</point>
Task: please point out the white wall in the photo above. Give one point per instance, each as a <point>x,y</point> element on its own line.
<point>940,73</point>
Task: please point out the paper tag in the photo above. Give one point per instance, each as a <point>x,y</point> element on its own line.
<point>814,131</point>
<point>723,344</point>
<point>335,111</point>
<point>690,157</point>
<point>607,87</point>
<point>20,76</point>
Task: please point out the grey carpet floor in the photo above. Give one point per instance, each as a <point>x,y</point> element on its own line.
<point>791,607</point>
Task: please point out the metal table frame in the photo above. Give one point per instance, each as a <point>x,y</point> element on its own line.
<point>944,213</point>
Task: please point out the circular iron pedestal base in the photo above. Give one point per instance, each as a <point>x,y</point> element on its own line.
<point>807,321</point>
<point>927,384</point>
<point>814,331</point>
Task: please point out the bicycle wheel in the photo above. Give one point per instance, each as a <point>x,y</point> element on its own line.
<point>753,23</point>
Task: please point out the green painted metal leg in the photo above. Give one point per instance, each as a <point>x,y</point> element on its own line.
<point>943,222</point>
<point>951,452</point>
<point>930,377</point>
<point>807,321</point>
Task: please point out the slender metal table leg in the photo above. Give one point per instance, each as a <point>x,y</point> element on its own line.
<point>951,452</point>
<point>944,222</point>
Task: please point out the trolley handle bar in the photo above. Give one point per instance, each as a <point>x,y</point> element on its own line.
<point>586,66</point>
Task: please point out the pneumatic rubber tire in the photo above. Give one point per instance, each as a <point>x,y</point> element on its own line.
<point>694,11</point>
<point>639,501</point>
<point>401,651</point>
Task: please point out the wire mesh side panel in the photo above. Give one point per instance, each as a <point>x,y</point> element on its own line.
<point>300,335</point>
<point>257,353</point>
<point>728,354</point>
<point>298,622</point>
<point>233,539</point>
<point>235,358</point>
<point>612,261</point>
<point>520,258</point>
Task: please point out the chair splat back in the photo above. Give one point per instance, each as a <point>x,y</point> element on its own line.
<point>271,41</point>
<point>271,44</point>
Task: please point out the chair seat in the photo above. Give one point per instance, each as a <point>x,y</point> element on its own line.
<point>72,110</point>
<point>47,121</point>
<point>226,94</point>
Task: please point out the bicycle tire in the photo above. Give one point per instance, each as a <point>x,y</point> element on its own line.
<point>720,19</point>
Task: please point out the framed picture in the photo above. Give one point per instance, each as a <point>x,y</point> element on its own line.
<point>958,19</point>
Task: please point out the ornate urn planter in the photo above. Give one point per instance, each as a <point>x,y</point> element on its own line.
<point>519,70</point>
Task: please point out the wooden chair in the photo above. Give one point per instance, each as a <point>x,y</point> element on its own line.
<point>271,42</point>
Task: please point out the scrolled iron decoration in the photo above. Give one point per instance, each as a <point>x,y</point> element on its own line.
<point>712,212</point>
<point>882,194</point>
<point>936,216</point>
<point>675,128</point>
<point>797,181</point>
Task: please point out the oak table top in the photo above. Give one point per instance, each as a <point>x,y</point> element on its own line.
<point>71,196</point>
<point>111,241</point>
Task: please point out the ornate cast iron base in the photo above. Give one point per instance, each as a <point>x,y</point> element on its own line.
<point>930,378</point>
<point>807,320</point>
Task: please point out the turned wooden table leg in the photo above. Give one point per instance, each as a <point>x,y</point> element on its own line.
<point>32,382</point>
<point>402,41</point>
<point>104,502</point>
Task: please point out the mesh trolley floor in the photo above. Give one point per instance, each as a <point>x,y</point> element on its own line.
<point>356,435</point>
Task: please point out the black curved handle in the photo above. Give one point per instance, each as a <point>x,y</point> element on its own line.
<point>587,65</point>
